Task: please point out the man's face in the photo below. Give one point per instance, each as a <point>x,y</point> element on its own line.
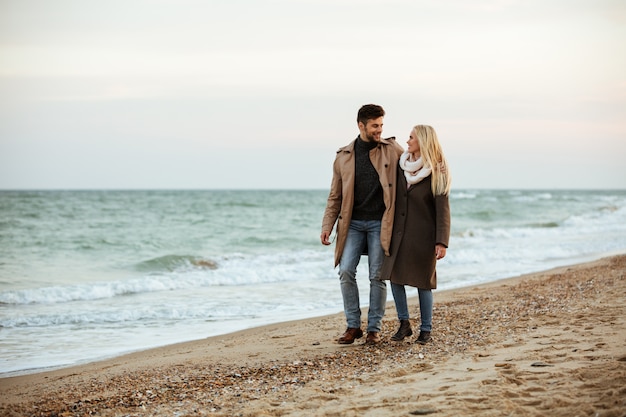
<point>371,131</point>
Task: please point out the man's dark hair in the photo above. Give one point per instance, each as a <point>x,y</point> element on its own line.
<point>368,112</point>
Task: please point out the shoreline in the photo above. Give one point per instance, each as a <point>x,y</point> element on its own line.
<point>412,299</point>
<point>561,321</point>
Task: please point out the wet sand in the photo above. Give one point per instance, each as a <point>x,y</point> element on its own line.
<point>550,343</point>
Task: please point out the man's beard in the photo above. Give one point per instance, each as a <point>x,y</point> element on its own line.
<point>371,137</point>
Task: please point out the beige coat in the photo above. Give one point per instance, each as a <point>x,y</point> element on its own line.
<point>384,158</point>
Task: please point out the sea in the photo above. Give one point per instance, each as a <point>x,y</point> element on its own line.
<point>90,275</point>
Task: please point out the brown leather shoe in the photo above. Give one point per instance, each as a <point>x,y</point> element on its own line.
<point>350,335</point>
<point>372,338</point>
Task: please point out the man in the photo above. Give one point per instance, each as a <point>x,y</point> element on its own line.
<point>361,201</point>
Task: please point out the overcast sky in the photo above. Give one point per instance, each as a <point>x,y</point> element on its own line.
<point>261,93</point>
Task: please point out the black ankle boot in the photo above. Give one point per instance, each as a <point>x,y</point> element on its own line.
<point>404,331</point>
<point>423,338</point>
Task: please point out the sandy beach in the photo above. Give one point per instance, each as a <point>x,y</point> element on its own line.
<point>546,344</point>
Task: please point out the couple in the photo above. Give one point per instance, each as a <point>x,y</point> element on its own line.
<point>393,206</point>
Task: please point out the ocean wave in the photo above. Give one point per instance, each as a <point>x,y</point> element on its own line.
<point>606,217</point>
<point>236,204</point>
<point>459,195</point>
<point>532,197</point>
<point>544,224</point>
<point>10,223</point>
<point>172,263</point>
<point>182,272</point>
<point>495,233</point>
<point>121,315</point>
<point>603,217</point>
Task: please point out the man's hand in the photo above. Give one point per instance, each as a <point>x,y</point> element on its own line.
<point>324,238</point>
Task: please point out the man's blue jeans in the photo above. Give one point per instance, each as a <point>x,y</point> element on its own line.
<point>426,305</point>
<point>362,235</point>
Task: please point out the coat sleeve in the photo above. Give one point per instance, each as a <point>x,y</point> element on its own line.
<point>442,209</point>
<point>333,204</point>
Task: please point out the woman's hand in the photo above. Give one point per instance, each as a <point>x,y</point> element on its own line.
<point>440,251</point>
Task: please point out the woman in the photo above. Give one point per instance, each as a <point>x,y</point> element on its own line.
<point>421,228</point>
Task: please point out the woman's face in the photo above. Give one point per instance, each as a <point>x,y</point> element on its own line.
<point>413,144</point>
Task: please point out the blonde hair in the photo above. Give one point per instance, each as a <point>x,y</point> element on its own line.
<point>433,157</point>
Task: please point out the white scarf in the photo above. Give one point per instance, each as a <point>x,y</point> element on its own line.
<point>414,171</point>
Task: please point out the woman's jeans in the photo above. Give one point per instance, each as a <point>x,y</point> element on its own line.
<point>363,235</point>
<point>426,305</point>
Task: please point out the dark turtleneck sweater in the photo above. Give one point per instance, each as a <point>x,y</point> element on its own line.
<point>368,193</point>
